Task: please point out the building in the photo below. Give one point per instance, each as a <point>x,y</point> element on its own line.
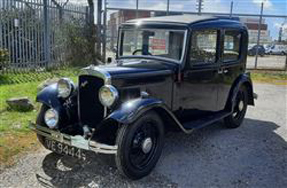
<point>119,17</point>
<point>253,26</point>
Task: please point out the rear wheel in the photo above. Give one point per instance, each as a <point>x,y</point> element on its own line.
<point>139,146</point>
<point>235,119</point>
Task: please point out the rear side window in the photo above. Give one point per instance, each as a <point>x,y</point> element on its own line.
<point>203,47</point>
<point>232,40</point>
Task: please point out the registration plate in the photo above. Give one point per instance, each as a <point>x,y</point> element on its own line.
<point>61,148</point>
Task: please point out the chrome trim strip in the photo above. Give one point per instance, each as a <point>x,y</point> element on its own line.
<point>97,71</point>
<point>75,141</point>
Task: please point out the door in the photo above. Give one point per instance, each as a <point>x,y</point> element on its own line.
<point>232,62</point>
<point>197,93</point>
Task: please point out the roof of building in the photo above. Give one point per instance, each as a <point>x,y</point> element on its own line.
<point>182,19</point>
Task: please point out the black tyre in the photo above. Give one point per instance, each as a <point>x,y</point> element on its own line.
<point>40,121</point>
<point>140,145</point>
<point>235,119</point>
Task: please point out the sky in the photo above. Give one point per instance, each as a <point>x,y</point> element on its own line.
<point>271,7</point>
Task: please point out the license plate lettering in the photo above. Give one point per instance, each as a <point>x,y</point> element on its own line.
<point>60,147</point>
<point>65,149</point>
<point>78,154</point>
<point>72,151</point>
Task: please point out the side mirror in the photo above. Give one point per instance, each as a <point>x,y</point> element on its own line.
<point>109,60</point>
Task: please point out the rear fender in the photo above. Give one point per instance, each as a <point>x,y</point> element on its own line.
<point>243,79</point>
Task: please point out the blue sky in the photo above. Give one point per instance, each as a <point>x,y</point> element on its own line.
<point>240,6</point>
<point>274,7</point>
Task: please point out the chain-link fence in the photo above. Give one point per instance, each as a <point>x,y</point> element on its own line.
<point>267,32</point>
<point>36,34</point>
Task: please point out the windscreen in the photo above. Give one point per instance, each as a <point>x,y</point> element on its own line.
<point>149,42</point>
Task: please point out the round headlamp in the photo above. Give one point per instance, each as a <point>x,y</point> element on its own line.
<point>108,95</point>
<point>65,87</point>
<point>51,118</point>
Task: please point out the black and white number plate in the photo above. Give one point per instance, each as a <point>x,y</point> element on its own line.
<point>65,149</point>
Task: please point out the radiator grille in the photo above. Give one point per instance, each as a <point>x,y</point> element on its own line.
<point>91,111</point>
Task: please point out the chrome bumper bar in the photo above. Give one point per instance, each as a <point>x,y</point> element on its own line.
<point>75,141</point>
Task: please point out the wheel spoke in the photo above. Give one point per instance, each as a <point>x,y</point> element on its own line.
<point>146,133</point>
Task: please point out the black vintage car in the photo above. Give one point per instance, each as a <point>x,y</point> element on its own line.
<point>171,73</point>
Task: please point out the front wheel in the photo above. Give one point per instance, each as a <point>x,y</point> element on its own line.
<point>235,119</point>
<point>140,145</point>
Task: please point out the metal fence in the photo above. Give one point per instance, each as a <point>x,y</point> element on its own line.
<point>36,34</point>
<point>275,46</point>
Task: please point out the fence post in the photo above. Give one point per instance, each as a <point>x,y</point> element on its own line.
<point>167,8</point>
<point>231,9</point>
<point>137,8</point>
<point>46,33</point>
<point>105,31</point>
<point>99,27</point>
<point>259,34</point>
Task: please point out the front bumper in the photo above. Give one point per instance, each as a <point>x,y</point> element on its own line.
<point>75,141</point>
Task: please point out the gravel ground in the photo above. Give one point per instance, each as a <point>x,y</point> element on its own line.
<point>254,155</point>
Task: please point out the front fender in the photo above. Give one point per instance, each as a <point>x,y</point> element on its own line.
<point>131,110</point>
<point>49,96</point>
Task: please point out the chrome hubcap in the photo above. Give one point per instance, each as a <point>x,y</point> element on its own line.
<point>147,145</point>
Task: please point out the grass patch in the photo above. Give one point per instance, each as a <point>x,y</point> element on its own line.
<point>274,77</point>
<point>19,78</point>
<point>15,135</point>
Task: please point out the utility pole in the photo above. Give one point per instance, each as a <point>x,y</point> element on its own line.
<point>231,9</point>
<point>199,6</point>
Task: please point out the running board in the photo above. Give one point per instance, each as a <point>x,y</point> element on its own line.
<point>197,124</point>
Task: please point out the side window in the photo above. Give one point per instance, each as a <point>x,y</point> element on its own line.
<point>231,46</point>
<point>203,47</point>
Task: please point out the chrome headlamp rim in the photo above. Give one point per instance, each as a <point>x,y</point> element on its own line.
<point>114,92</point>
<point>70,87</point>
<point>48,122</point>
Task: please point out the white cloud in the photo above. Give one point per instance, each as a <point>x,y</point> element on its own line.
<point>267,3</point>
<point>279,25</point>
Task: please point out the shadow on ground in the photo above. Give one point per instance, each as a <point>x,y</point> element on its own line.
<point>250,156</point>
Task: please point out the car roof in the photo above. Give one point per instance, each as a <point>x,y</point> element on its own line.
<point>182,19</point>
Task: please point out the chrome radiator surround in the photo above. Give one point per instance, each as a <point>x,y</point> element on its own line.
<point>101,73</point>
